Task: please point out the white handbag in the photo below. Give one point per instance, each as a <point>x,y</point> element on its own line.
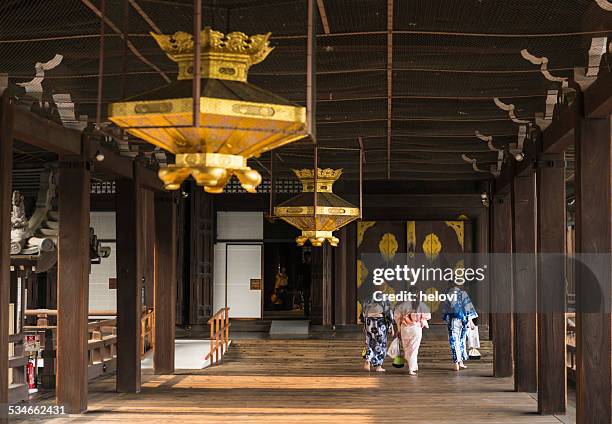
<point>473,340</point>
<point>394,348</point>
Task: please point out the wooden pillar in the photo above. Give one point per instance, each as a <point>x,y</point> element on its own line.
<point>73,267</point>
<point>199,256</point>
<point>501,287</point>
<point>129,282</point>
<point>552,384</point>
<point>149,246</point>
<point>525,282</point>
<point>594,280</point>
<point>165,283</point>
<point>345,276</point>
<point>328,286</point>
<point>6,169</point>
<point>322,294</point>
<point>482,248</point>
<point>340,278</point>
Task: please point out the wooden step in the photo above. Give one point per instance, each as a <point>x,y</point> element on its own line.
<point>316,355</point>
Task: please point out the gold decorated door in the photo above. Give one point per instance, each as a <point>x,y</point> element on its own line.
<point>439,244</point>
<point>429,244</point>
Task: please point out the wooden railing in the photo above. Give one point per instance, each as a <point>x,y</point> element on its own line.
<point>570,345</point>
<point>18,388</point>
<point>219,335</point>
<point>102,347</point>
<point>147,323</point>
<point>53,312</point>
<point>147,331</point>
<point>102,343</point>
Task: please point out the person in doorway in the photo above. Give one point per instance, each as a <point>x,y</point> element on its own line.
<point>459,314</point>
<point>378,322</point>
<point>281,281</point>
<point>411,318</point>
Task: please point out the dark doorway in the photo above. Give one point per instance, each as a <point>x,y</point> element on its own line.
<point>287,276</point>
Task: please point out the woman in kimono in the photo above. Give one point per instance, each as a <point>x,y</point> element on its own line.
<point>378,322</point>
<point>411,319</point>
<point>459,313</point>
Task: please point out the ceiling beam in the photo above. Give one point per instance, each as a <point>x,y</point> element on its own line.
<point>414,119</point>
<point>300,100</point>
<point>45,134</point>
<point>452,34</point>
<point>389,83</point>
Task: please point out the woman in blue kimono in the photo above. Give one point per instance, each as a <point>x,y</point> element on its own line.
<point>459,313</point>
<point>378,322</point>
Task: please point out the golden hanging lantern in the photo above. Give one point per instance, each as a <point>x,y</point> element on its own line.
<point>332,212</point>
<point>238,120</point>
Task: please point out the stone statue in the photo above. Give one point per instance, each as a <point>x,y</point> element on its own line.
<point>19,224</point>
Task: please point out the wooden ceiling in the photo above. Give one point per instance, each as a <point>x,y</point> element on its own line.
<point>414,80</point>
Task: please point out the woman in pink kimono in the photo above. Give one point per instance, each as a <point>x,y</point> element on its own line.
<point>411,319</point>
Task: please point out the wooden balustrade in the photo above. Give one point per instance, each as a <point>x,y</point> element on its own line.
<point>102,347</point>
<point>101,350</point>
<point>102,344</point>
<point>147,331</point>
<point>219,335</point>
<point>53,312</point>
<point>571,346</point>
<point>18,388</point>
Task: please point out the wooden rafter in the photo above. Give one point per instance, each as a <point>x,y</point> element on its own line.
<point>323,15</point>
<point>144,16</point>
<point>450,33</point>
<point>389,82</point>
<point>130,46</point>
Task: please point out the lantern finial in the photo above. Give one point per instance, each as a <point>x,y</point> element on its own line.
<point>225,57</point>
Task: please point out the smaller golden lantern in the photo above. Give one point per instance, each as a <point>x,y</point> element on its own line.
<point>332,211</point>
<point>238,119</point>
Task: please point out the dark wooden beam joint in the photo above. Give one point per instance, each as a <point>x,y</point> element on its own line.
<point>499,199</point>
<point>598,97</point>
<point>550,163</point>
<point>67,163</point>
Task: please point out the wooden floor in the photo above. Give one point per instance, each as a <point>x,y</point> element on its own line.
<point>316,381</point>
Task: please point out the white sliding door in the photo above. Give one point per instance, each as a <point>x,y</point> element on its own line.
<point>239,239</point>
<point>244,279</point>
